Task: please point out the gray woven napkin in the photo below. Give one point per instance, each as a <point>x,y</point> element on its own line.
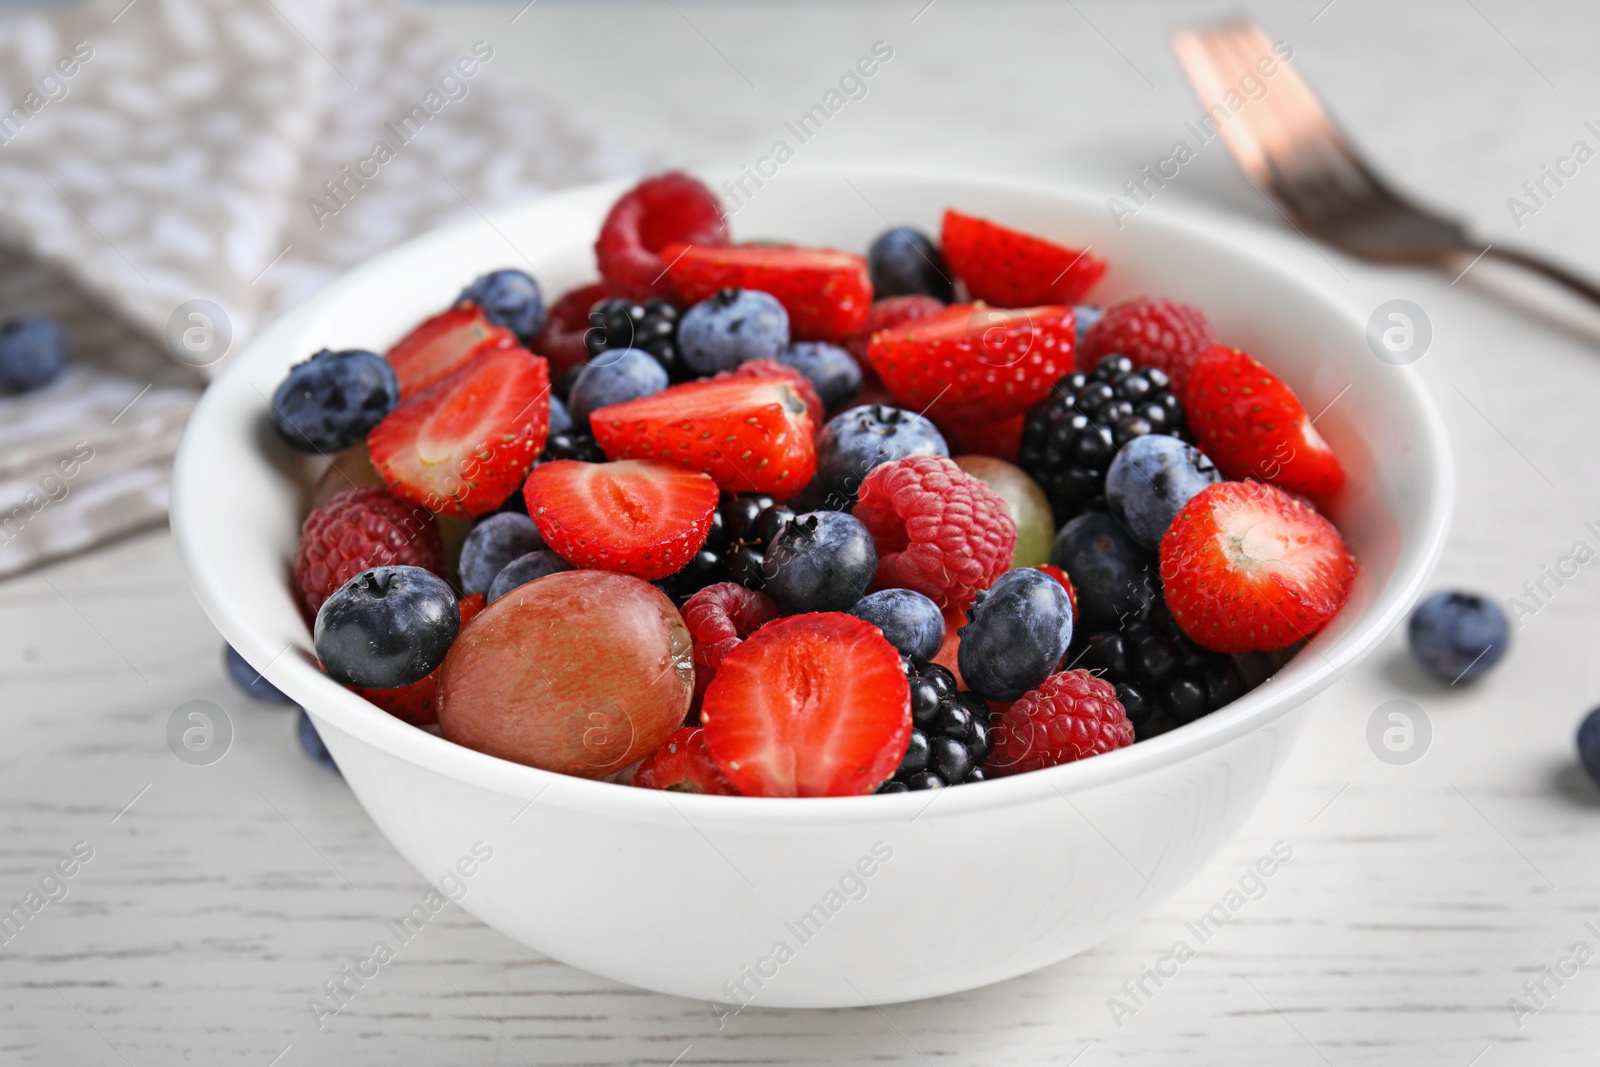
<point>175,173</point>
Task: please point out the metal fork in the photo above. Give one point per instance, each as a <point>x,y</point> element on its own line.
<point>1288,147</point>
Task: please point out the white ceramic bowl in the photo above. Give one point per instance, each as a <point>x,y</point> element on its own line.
<point>826,902</point>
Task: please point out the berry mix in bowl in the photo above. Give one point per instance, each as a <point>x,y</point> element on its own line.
<point>1003,506</point>
<point>718,542</point>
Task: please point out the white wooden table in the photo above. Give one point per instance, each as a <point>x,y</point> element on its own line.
<point>1419,899</point>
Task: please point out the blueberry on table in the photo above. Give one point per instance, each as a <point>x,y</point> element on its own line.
<point>494,542</point>
<point>524,569</point>
<point>250,680</point>
<point>386,627</point>
<point>509,298</point>
<point>330,401</point>
<point>732,327</point>
<point>1151,480</point>
<point>820,561</point>
<point>832,370</point>
<point>904,261</point>
<point>856,441</point>
<point>1458,636</point>
<point>1116,578</point>
<point>910,621</point>
<point>32,352</point>
<point>1589,744</point>
<point>615,375</point>
<point>1015,635</point>
<point>311,741</point>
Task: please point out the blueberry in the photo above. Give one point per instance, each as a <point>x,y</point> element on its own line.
<point>509,298</point>
<point>251,681</point>
<point>330,401</point>
<point>1085,316</point>
<point>311,741</point>
<point>855,441</point>
<point>912,623</point>
<point>493,543</point>
<point>1115,578</point>
<point>828,367</point>
<point>1151,480</point>
<point>820,561</point>
<point>386,627</point>
<point>523,570</point>
<point>1458,636</point>
<point>615,375</point>
<point>1016,634</point>
<point>730,328</point>
<point>560,419</point>
<point>1589,744</point>
<point>903,261</point>
<point>32,352</point>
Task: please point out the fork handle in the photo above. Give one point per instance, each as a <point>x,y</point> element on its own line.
<point>1546,268</point>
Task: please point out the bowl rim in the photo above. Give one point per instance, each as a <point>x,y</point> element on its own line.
<point>345,711</point>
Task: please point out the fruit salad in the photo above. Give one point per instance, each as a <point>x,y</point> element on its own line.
<point>769,520</point>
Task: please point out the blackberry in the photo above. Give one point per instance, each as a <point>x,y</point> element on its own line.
<point>1162,678</point>
<point>736,548</point>
<point>949,732</point>
<point>651,326</point>
<point>572,444</point>
<point>1069,439</point>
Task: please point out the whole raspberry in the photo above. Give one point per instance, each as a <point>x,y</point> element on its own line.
<point>358,529</point>
<point>1156,333</point>
<point>1071,716</point>
<point>939,530</point>
<point>719,617</point>
<point>653,214</point>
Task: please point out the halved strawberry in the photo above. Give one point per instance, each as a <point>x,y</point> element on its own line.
<point>443,345</point>
<point>1253,426</point>
<point>826,293</point>
<point>684,765</point>
<point>753,435</point>
<point>771,368</point>
<point>976,362</point>
<point>667,209</point>
<point>1246,567</point>
<point>813,705</point>
<point>889,312</point>
<point>462,445</point>
<point>639,517</point>
<point>1014,269</point>
<point>560,340</point>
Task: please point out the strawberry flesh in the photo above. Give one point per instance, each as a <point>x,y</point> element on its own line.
<point>639,517</point>
<point>462,446</point>
<point>826,293</point>
<point>443,345</point>
<point>812,705</point>
<point>1245,567</point>
<point>752,435</point>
